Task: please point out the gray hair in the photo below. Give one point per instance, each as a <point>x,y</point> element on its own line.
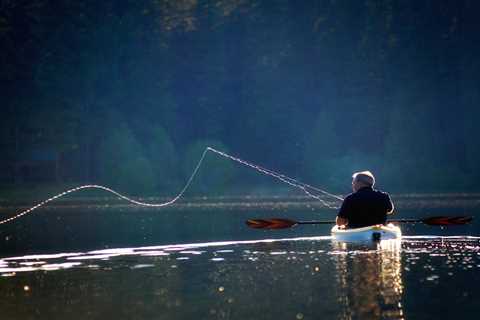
<point>365,177</point>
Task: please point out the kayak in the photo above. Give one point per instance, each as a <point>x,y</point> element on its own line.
<point>371,233</point>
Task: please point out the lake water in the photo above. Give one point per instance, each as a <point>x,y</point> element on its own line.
<point>204,263</point>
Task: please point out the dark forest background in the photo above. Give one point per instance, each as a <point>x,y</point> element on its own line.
<point>129,93</point>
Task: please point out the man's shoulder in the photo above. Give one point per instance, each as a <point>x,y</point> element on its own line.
<point>351,196</point>
<point>367,193</point>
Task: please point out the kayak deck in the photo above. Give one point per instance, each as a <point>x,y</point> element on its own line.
<point>376,232</point>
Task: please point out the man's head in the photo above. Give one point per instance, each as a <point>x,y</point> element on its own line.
<point>362,179</point>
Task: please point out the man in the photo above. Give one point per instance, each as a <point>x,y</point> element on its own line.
<point>365,206</point>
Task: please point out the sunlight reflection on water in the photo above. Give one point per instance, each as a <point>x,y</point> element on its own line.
<point>300,277</point>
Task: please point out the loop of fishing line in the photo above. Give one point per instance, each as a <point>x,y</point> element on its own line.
<point>283,178</point>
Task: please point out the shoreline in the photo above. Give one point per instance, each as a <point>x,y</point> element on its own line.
<point>243,202</point>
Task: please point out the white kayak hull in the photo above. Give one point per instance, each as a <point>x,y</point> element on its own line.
<point>371,233</point>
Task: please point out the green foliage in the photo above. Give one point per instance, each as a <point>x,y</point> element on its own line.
<point>323,88</point>
<point>123,164</point>
<point>163,157</point>
<point>322,149</point>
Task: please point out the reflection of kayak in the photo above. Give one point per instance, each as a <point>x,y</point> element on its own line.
<point>377,232</point>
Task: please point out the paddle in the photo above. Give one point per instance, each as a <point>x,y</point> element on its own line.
<point>281,223</point>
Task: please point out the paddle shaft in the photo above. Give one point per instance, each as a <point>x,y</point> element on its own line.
<point>333,222</point>
<point>282,223</point>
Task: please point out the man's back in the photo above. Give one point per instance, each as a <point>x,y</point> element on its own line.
<point>366,207</point>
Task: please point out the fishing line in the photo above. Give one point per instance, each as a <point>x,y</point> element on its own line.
<point>290,181</point>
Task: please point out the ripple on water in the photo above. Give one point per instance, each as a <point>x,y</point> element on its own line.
<point>453,252</point>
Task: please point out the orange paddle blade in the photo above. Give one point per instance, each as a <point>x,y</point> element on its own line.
<point>273,223</point>
<point>447,221</point>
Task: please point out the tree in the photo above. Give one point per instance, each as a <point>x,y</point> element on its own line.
<point>122,161</point>
<point>162,154</point>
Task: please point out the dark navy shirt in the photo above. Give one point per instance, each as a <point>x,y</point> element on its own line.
<point>366,207</point>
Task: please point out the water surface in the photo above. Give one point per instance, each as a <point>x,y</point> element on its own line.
<point>125,263</point>
<point>298,278</point>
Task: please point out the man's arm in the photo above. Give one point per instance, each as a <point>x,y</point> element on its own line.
<point>342,215</point>
<point>341,221</point>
